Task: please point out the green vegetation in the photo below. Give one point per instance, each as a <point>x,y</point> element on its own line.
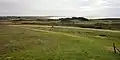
<point>18,43</point>
<point>103,23</point>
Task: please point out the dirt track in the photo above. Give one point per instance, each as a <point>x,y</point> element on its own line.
<point>67,27</point>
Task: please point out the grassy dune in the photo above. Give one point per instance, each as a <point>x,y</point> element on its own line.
<point>65,44</point>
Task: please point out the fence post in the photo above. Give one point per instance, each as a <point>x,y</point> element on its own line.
<point>114,47</point>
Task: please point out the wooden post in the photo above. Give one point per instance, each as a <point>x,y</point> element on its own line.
<point>52,24</point>
<point>114,47</point>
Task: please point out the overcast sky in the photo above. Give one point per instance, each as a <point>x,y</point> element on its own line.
<point>86,8</point>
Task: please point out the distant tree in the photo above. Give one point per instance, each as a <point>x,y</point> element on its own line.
<point>80,18</point>
<point>51,19</point>
<point>74,18</point>
<point>83,19</point>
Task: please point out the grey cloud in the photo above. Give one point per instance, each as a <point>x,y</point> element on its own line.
<point>13,7</point>
<point>89,8</point>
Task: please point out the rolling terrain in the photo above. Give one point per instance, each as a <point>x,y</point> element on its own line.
<point>58,43</point>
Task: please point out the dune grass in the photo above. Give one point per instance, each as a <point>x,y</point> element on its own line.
<point>22,44</point>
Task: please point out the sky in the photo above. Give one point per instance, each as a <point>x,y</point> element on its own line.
<point>85,8</point>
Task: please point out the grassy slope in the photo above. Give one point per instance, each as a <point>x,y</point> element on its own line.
<point>18,43</point>
<point>92,34</point>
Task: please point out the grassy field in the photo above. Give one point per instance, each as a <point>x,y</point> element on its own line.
<point>39,43</point>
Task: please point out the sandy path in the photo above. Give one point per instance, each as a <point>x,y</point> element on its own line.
<point>67,27</point>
